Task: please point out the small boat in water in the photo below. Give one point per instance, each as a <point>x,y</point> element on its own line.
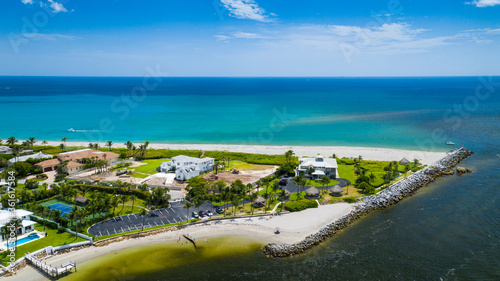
<point>450,143</point>
<point>71,130</point>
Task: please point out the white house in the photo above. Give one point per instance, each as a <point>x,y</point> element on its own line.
<point>187,167</point>
<point>322,167</point>
<point>38,155</point>
<point>5,150</point>
<point>26,226</point>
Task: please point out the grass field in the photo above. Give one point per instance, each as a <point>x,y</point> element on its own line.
<point>53,239</point>
<point>150,167</point>
<point>319,184</point>
<point>242,166</point>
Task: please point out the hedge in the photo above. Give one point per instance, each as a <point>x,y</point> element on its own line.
<point>111,189</point>
<point>295,206</point>
<point>49,224</point>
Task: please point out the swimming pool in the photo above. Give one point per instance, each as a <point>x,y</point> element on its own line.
<point>31,237</point>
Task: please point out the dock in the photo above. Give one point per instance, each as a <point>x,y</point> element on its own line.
<point>53,272</point>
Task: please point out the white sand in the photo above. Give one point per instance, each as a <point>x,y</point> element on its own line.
<point>294,227</point>
<point>368,153</point>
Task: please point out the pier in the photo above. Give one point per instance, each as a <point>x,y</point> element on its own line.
<point>53,272</point>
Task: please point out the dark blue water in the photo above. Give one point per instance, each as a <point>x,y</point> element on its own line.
<point>389,112</point>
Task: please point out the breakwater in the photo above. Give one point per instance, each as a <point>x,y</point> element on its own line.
<point>388,196</point>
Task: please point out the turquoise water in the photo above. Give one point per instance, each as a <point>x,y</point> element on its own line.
<point>26,239</point>
<point>299,111</point>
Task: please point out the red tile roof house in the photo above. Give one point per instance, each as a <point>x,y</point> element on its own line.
<point>74,157</point>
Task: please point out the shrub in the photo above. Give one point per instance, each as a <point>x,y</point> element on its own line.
<point>42,177</point>
<point>61,229</point>
<point>60,177</point>
<point>350,200</point>
<point>295,206</point>
<point>31,184</point>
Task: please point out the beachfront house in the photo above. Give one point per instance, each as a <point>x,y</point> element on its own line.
<point>26,224</point>
<point>320,165</point>
<point>186,167</point>
<point>23,158</point>
<point>76,158</point>
<point>5,150</point>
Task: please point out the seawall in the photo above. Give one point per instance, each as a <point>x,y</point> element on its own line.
<point>389,196</point>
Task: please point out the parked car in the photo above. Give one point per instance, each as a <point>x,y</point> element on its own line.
<point>283,182</point>
<point>195,215</point>
<point>209,213</point>
<point>218,210</point>
<point>202,214</point>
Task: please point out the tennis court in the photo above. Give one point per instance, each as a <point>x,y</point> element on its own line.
<point>64,209</point>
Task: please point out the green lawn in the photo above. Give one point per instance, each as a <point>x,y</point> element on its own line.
<point>140,176</point>
<point>319,184</point>
<point>150,167</point>
<point>53,239</point>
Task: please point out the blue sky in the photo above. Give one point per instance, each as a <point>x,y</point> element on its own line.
<point>250,38</point>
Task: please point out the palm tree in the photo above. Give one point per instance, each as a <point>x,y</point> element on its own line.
<point>143,213</point>
<point>91,145</point>
<point>109,144</point>
<point>16,223</point>
<point>44,142</point>
<point>31,142</point>
<point>197,203</point>
<point>61,146</point>
<point>11,140</point>
<point>123,199</point>
<point>235,202</point>
<point>300,181</point>
<point>128,144</point>
<point>324,181</point>
<point>114,204</point>
<point>283,196</point>
<point>186,206</point>
<point>133,197</point>
<point>252,197</point>
<point>64,139</point>
<point>1,141</point>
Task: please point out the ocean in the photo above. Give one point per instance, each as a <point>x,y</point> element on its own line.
<point>449,230</point>
<point>373,112</point>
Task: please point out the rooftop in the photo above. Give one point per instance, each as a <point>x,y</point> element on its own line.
<point>38,155</point>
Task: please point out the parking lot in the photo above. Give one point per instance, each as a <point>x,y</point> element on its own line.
<point>173,214</point>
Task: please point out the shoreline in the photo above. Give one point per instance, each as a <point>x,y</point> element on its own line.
<point>368,153</point>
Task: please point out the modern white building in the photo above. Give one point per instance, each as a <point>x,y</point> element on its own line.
<point>187,167</point>
<point>5,150</point>
<point>26,226</point>
<point>38,155</point>
<point>322,167</point>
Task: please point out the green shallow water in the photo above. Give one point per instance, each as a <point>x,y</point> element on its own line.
<point>163,259</point>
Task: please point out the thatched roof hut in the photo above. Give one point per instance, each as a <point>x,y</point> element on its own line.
<point>312,192</point>
<point>259,202</point>
<point>79,200</point>
<point>404,161</point>
<point>336,190</point>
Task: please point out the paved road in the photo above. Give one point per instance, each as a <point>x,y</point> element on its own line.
<point>173,214</point>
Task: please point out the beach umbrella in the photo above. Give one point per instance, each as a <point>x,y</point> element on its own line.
<point>312,192</point>
<point>336,190</point>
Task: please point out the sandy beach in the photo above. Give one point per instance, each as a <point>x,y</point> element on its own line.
<point>294,227</point>
<point>368,153</point>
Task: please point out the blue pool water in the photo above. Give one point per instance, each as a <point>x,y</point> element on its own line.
<point>27,239</point>
<point>61,207</point>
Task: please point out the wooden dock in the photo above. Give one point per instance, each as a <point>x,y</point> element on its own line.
<point>53,272</point>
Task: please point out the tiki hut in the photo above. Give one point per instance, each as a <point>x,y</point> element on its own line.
<point>312,192</point>
<point>404,161</point>
<point>259,202</point>
<point>336,190</point>
<point>83,201</point>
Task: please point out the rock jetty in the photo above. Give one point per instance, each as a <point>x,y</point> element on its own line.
<point>389,196</point>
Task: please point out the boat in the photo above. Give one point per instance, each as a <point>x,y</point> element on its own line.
<point>450,143</point>
<point>71,130</point>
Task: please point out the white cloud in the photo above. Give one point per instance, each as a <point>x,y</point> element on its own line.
<point>57,7</point>
<point>484,3</point>
<point>27,1</point>
<point>385,32</point>
<point>46,36</point>
<point>240,35</point>
<point>245,9</point>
